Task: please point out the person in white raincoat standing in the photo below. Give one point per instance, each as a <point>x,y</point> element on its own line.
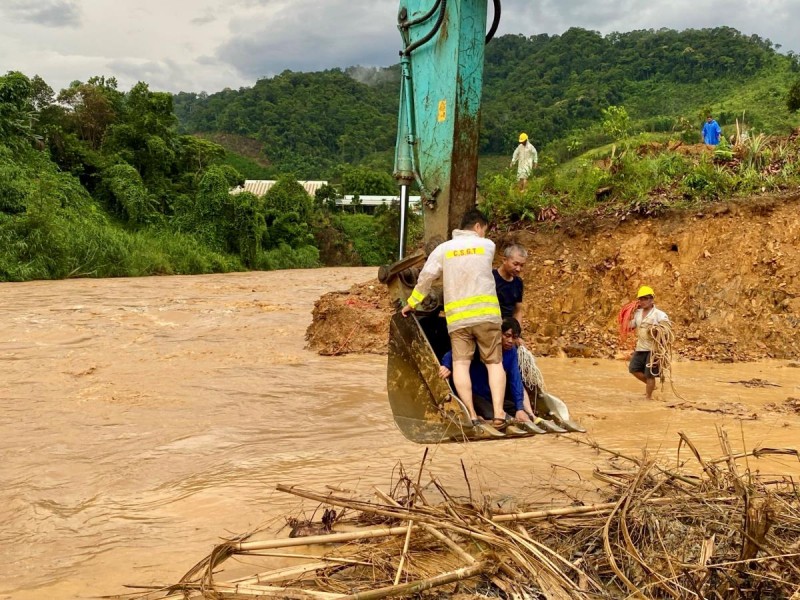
<point>527,159</point>
<point>470,307</point>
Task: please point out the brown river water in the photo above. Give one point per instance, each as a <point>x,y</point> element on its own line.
<point>142,420</point>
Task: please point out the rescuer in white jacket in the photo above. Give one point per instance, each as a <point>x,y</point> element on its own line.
<point>470,307</point>
<point>527,159</point>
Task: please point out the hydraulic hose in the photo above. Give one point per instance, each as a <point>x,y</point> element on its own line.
<point>495,21</point>
<point>428,36</point>
<point>418,20</point>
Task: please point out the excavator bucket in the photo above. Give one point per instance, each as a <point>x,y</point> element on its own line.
<point>419,398</point>
<point>424,406</point>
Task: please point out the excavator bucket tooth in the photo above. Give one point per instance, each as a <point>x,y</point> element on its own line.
<point>550,426</point>
<point>530,427</point>
<point>572,426</point>
<point>515,430</point>
<point>558,411</point>
<point>484,431</point>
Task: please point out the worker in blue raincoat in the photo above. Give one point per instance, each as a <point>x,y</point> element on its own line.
<point>711,132</point>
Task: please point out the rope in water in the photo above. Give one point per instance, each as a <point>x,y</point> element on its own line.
<point>531,375</point>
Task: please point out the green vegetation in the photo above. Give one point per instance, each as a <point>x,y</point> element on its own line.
<point>646,175</point>
<point>95,181</point>
<point>98,182</point>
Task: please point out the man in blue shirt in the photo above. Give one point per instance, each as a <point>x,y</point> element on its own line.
<point>514,403</point>
<point>711,132</point>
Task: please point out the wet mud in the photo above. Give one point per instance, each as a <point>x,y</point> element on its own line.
<point>727,275</point>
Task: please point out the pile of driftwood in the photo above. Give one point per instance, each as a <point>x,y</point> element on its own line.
<point>703,529</point>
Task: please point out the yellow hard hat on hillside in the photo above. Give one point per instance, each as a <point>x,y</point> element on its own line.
<point>645,290</point>
<point>523,137</point>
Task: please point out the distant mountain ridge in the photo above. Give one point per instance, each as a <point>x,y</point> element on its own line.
<point>551,86</point>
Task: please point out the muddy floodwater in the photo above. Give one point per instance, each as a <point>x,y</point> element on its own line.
<point>142,420</point>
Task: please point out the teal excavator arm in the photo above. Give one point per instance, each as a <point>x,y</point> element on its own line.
<point>440,96</point>
<point>441,65</point>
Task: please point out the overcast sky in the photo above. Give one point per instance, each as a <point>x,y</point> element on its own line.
<point>207,45</point>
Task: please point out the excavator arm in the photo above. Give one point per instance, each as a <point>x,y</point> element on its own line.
<point>441,61</point>
<point>441,66</point>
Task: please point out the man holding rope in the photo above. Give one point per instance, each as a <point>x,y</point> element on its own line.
<point>644,363</point>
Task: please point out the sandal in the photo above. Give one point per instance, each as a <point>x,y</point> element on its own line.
<point>499,424</point>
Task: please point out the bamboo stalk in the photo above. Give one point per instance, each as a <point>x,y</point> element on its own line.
<point>383,511</point>
<point>612,562</point>
<point>347,536</point>
<point>424,518</point>
<point>414,587</point>
<point>333,559</point>
<point>404,553</point>
<point>265,591</point>
<point>590,508</point>
<point>281,574</point>
<point>407,541</point>
<point>458,550</point>
<point>757,453</point>
<point>710,470</point>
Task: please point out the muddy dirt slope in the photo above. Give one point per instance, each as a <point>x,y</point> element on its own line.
<point>728,276</point>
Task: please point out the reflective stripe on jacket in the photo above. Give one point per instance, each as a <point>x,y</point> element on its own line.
<point>465,264</point>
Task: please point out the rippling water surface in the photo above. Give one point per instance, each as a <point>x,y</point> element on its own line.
<point>141,420</point>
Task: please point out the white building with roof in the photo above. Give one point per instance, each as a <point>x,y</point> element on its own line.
<point>259,187</point>
<point>368,203</point>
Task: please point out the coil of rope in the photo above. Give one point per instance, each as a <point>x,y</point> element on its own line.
<point>531,375</point>
<point>661,355</point>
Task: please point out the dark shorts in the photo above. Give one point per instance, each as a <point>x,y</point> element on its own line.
<point>639,362</point>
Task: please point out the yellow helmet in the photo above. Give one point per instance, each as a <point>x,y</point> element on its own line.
<point>523,137</point>
<point>645,290</point>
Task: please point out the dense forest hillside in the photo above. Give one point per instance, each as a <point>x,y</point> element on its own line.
<point>555,87</point>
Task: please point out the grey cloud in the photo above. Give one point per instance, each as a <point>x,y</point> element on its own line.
<point>162,74</point>
<point>204,20</point>
<point>307,35</point>
<point>207,60</point>
<point>49,13</point>
<point>776,19</point>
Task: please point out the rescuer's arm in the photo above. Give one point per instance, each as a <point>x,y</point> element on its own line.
<point>514,378</point>
<point>430,273</point>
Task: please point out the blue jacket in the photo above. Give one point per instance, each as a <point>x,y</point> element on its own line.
<point>480,376</point>
<point>711,133</point>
